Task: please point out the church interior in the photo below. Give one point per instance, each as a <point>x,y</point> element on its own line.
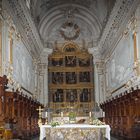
<point>70,70</point>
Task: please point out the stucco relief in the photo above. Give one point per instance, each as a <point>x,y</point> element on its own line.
<point>55,32</point>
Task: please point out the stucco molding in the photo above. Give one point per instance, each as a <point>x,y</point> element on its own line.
<point>119,17</point>
<point>25,25</point>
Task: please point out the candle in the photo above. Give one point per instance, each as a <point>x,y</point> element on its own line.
<point>46,114</point>
<point>61,114</point>
<point>89,114</point>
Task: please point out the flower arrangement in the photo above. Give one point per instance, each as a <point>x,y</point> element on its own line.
<point>98,122</point>
<point>72,117</point>
<point>54,124</point>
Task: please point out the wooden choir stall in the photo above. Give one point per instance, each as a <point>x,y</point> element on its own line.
<point>18,114</point>
<point>122,113</point>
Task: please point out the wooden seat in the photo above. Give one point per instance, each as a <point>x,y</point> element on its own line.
<point>18,114</point>
<point>120,113</point>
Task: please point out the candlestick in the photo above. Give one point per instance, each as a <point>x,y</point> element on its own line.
<point>46,114</point>
<point>90,118</point>
<point>89,114</point>
<point>61,114</point>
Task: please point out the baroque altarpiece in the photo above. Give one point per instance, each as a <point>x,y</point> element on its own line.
<point>71,81</point>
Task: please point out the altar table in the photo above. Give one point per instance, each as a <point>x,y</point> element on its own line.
<point>75,132</point>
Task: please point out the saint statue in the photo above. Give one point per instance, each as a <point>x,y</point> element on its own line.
<point>84,95</point>
<point>58,96</point>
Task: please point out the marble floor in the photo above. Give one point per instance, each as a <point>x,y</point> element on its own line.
<point>112,138</point>
<point>37,138</point>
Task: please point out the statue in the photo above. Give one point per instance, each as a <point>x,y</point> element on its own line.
<point>84,62</point>
<point>84,77</point>
<point>71,61</point>
<point>71,78</point>
<point>57,77</point>
<point>72,95</point>
<point>58,96</point>
<point>84,95</point>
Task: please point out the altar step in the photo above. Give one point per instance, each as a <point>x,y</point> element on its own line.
<point>36,138</point>
<point>122,138</point>
<point>112,138</point>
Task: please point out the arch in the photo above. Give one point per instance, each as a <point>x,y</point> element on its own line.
<point>54,18</point>
<point>70,47</point>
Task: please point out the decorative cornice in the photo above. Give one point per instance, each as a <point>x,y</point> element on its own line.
<point>96,54</point>
<point>44,55</point>
<point>118,19</point>
<point>97,59</point>
<point>25,25</point>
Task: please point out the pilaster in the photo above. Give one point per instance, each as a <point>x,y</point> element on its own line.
<point>99,75</point>
<point>43,75</point>
<point>136,38</point>
<point>36,70</point>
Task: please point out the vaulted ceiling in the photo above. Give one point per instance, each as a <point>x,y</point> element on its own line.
<point>90,16</point>
<point>97,23</point>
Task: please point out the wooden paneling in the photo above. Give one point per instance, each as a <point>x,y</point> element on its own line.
<point>18,113</point>
<point>122,113</point>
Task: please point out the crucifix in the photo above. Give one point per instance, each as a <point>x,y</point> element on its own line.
<point>40,111</point>
<point>40,115</point>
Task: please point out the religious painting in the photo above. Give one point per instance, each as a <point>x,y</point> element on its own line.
<point>71,95</point>
<point>84,62</point>
<point>57,77</point>
<point>57,62</point>
<point>58,95</point>
<point>70,61</point>
<point>84,77</point>
<point>23,69</point>
<point>119,68</point>
<point>71,78</point>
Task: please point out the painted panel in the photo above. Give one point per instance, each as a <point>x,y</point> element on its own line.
<point>23,71</point>
<point>119,67</point>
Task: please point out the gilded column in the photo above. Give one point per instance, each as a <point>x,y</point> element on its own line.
<point>11,46</point>
<point>136,41</point>
<point>0,47</point>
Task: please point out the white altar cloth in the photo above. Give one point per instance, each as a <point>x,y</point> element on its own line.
<point>44,127</point>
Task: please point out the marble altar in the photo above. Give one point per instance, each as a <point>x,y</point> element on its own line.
<point>75,132</point>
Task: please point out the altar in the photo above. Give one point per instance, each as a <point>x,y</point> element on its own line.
<point>75,132</point>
